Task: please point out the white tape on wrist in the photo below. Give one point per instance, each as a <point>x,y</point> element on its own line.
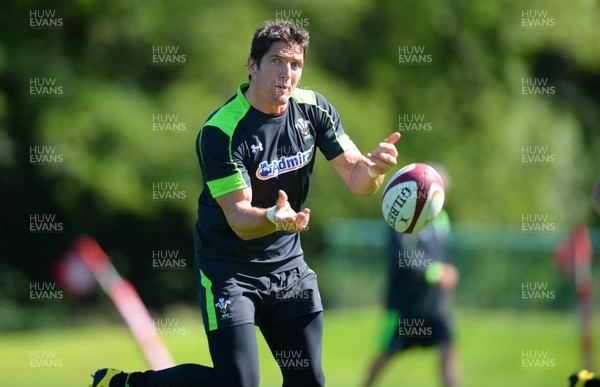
<point>271,214</point>
<point>372,174</point>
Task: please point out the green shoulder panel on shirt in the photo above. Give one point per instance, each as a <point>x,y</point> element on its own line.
<point>305,96</point>
<point>230,114</point>
<point>227,119</point>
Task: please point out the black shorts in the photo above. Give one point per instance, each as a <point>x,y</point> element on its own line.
<point>403,332</point>
<point>228,300</point>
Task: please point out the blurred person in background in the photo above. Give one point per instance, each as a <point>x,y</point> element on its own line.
<point>418,299</point>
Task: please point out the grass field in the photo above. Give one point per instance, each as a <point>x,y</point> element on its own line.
<point>490,346</point>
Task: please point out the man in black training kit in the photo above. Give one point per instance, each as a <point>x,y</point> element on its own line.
<point>257,154</point>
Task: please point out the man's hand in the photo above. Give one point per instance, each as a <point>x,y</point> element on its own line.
<point>250,222</point>
<point>364,174</point>
<point>383,157</point>
<point>286,219</point>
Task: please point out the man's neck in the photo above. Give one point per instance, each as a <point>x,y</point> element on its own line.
<point>266,108</point>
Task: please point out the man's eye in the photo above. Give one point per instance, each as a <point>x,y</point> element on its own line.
<point>275,60</point>
<point>296,65</point>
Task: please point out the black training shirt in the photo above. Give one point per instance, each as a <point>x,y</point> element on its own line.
<point>241,147</point>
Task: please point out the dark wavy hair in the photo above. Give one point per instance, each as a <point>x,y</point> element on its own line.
<point>277,31</point>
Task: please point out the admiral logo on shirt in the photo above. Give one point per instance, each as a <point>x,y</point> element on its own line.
<point>284,164</point>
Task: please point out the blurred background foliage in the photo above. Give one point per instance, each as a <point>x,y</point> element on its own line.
<point>470,93</point>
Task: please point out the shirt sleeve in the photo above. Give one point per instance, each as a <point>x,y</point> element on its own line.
<point>222,163</point>
<point>331,138</point>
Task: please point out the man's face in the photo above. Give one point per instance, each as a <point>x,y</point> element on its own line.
<point>277,77</point>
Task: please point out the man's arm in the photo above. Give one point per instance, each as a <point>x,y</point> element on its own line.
<point>250,222</point>
<point>364,174</point>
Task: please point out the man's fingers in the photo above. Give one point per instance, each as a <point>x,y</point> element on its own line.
<point>303,218</point>
<point>283,198</point>
<point>366,161</point>
<point>305,213</point>
<point>384,149</point>
<point>393,138</point>
<point>384,159</point>
<point>384,156</point>
<point>285,213</point>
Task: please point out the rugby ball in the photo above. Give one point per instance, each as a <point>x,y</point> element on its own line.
<point>413,198</point>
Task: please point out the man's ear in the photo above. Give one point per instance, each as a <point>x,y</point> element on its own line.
<point>251,65</point>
